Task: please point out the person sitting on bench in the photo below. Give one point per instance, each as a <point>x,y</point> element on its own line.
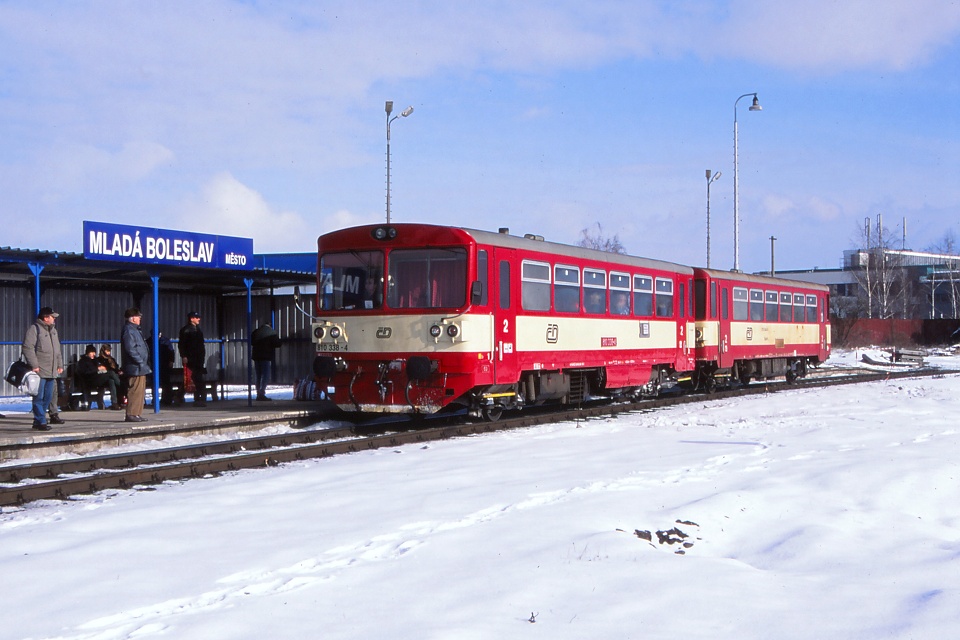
<point>94,376</point>
<point>113,370</point>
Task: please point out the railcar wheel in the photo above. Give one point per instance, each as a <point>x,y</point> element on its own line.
<point>711,385</point>
<point>492,412</point>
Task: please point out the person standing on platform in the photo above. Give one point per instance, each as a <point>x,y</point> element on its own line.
<point>41,350</point>
<point>263,342</point>
<point>136,365</point>
<point>193,354</point>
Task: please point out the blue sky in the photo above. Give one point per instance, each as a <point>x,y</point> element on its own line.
<point>266,120</point>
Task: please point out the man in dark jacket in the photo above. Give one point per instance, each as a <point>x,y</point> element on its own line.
<point>41,350</point>
<point>136,367</point>
<point>263,342</point>
<point>193,354</point>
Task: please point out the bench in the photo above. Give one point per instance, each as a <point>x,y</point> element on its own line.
<point>907,355</point>
<point>80,396</point>
<point>171,388</point>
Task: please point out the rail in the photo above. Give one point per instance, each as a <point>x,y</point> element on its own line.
<point>20,484</point>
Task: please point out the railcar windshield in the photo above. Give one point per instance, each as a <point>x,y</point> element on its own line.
<point>351,280</point>
<point>427,278</point>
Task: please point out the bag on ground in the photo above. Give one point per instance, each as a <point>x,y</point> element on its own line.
<point>306,389</point>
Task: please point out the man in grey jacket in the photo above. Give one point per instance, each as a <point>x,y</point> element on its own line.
<point>136,356</point>
<point>41,350</point>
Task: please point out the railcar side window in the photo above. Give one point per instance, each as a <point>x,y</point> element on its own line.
<point>741,304</point>
<point>427,278</point>
<point>725,303</point>
<point>664,298</point>
<point>786,309</point>
<point>482,275</point>
<point>756,305</point>
<point>713,299</point>
<point>351,280</point>
<point>811,308</point>
<point>504,284</point>
<point>772,309</point>
<point>619,294</point>
<point>535,286</point>
<point>566,289</point>
<point>643,295</point>
<point>798,308</point>
<point>594,291</point>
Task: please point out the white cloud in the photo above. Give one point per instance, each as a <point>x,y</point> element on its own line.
<point>228,207</point>
<point>341,220</point>
<point>837,36</point>
<point>77,166</point>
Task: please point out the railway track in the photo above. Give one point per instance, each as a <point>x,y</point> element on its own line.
<point>59,480</point>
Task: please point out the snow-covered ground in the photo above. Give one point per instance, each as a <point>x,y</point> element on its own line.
<point>829,513</point>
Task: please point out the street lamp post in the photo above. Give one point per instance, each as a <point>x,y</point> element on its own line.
<point>773,264</point>
<point>711,178</point>
<point>404,114</point>
<point>736,180</point>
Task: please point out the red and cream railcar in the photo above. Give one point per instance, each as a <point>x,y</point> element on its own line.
<point>420,318</point>
<point>757,327</point>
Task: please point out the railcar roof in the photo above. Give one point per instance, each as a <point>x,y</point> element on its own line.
<point>763,280</point>
<point>530,243</point>
<point>582,253</point>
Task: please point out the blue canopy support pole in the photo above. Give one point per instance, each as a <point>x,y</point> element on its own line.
<point>36,268</point>
<point>249,283</point>
<point>155,279</point>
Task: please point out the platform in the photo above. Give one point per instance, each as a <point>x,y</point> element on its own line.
<point>86,431</point>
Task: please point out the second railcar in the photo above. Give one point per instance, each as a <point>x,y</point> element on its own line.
<point>756,327</point>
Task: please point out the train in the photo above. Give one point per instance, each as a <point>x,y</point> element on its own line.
<point>427,319</point>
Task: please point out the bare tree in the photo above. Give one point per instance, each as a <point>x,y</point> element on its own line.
<point>879,271</point>
<point>598,241</point>
<point>947,247</point>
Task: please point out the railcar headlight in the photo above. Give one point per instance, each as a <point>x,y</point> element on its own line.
<point>318,333</point>
<point>435,331</point>
<point>335,332</point>
<point>453,331</point>
<point>384,233</point>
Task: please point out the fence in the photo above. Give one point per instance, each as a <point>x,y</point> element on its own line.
<point>860,332</point>
<point>96,317</point>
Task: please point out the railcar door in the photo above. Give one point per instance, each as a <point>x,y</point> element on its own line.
<point>686,336</point>
<point>506,302</point>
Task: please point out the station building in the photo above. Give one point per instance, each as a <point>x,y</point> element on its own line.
<point>167,274</point>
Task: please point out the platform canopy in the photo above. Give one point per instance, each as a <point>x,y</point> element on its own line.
<point>63,269</point>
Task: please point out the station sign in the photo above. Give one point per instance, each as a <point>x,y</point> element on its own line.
<point>146,245</point>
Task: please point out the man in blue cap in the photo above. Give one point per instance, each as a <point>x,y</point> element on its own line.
<point>41,350</point>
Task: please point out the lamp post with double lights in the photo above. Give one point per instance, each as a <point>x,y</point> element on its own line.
<point>403,114</point>
<point>736,180</point>
<point>711,178</point>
